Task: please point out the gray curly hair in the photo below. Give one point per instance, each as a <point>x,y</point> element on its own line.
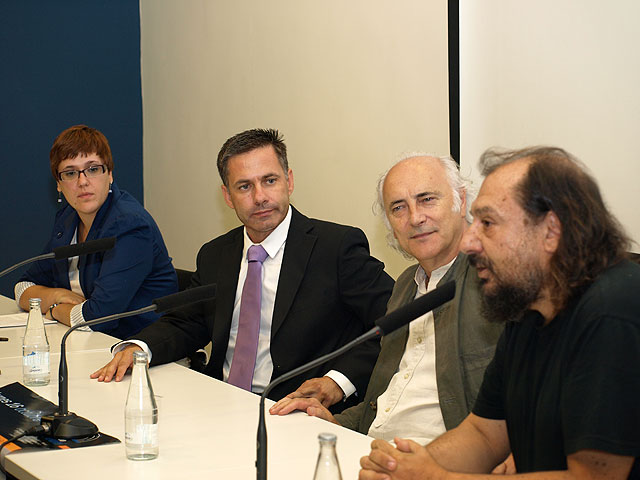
<point>460,186</point>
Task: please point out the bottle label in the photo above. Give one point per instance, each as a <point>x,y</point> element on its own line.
<point>36,362</point>
<point>143,435</point>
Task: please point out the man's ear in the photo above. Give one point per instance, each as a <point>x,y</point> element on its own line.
<point>227,197</point>
<point>463,204</point>
<point>553,232</point>
<point>290,181</point>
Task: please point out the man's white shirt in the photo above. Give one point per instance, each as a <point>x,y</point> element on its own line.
<point>409,407</point>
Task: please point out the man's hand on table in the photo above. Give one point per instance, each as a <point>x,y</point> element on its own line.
<point>118,366</point>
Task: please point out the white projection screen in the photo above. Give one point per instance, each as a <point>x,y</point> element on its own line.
<point>556,72</point>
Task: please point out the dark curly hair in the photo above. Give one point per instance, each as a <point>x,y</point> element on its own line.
<point>592,238</point>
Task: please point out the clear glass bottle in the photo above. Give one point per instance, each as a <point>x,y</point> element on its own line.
<point>35,348</point>
<point>141,413</point>
<point>327,467</point>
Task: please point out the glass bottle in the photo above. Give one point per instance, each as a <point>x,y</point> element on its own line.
<point>35,348</point>
<point>327,467</point>
<point>141,413</point>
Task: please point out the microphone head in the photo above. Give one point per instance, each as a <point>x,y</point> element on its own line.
<point>417,308</point>
<point>84,248</point>
<point>186,297</point>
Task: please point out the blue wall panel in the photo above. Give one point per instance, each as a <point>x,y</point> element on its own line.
<point>63,62</point>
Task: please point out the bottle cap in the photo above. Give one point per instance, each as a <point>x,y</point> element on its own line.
<point>327,437</point>
<point>140,355</point>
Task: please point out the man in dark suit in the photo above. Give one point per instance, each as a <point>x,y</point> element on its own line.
<point>320,286</point>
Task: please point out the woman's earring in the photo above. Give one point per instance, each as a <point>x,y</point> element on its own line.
<point>59,197</point>
<point>110,191</point>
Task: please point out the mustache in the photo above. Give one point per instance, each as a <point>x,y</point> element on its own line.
<point>266,206</point>
<point>480,262</point>
<point>422,230</point>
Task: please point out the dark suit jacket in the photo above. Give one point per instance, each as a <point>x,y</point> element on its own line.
<point>330,290</point>
<point>465,343</point>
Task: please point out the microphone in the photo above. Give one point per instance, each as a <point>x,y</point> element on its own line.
<point>67,425</point>
<point>383,326</point>
<point>403,315</point>
<point>84,248</point>
<point>67,251</point>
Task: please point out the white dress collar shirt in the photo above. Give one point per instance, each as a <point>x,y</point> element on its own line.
<point>76,315</point>
<point>274,246</point>
<point>409,407</point>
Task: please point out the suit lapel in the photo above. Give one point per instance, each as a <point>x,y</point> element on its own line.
<point>447,332</point>
<point>87,267</point>
<point>297,251</point>
<point>393,345</point>
<point>63,237</point>
<point>227,282</point>
<point>449,375</point>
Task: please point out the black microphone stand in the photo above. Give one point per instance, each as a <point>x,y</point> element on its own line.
<point>64,424</point>
<point>384,325</point>
<point>66,251</point>
<point>261,447</point>
<point>44,256</point>
<point>67,425</point>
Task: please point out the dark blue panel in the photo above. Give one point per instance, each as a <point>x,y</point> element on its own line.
<point>63,62</point>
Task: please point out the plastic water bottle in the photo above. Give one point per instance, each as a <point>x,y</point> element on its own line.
<point>327,466</point>
<point>35,348</point>
<point>141,413</point>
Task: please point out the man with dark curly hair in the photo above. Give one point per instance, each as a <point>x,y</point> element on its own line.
<point>562,391</point>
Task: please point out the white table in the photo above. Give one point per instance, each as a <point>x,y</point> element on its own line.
<point>78,341</point>
<point>207,430</point>
<point>8,305</point>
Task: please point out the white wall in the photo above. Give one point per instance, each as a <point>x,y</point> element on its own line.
<point>564,73</point>
<point>350,84</point>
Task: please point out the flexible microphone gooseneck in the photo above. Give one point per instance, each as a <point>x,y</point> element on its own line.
<point>67,425</point>
<point>67,251</point>
<point>384,326</point>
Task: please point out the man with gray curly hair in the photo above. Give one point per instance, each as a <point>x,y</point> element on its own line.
<point>428,373</point>
<point>462,189</point>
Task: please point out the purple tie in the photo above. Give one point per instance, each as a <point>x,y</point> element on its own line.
<point>244,356</point>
